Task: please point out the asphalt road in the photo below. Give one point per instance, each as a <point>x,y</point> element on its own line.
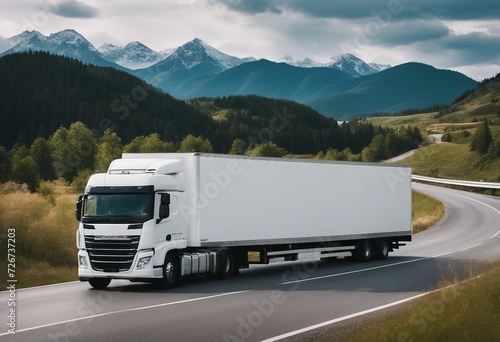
<point>270,302</point>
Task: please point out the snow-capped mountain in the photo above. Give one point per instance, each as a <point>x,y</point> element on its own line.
<point>191,60</point>
<point>379,67</point>
<point>137,56</point>
<point>68,43</point>
<point>134,55</point>
<point>354,66</point>
<point>170,69</point>
<point>28,40</point>
<point>305,63</point>
<point>347,63</point>
<point>197,52</point>
<point>26,35</point>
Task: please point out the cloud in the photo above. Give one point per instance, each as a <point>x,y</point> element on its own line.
<point>73,9</point>
<point>347,9</point>
<point>409,32</point>
<point>474,48</point>
<point>249,7</point>
<point>5,44</point>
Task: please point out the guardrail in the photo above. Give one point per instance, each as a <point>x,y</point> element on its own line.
<point>484,185</point>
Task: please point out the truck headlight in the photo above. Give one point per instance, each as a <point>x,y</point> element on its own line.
<point>143,262</point>
<point>83,261</point>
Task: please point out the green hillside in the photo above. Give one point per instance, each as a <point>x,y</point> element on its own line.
<point>459,123</point>
<point>40,92</point>
<point>404,86</point>
<point>60,118</point>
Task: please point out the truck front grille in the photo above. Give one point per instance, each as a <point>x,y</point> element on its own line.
<point>111,253</point>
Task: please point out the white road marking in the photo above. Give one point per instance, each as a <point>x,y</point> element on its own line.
<point>340,319</point>
<point>487,205</point>
<point>352,272</point>
<point>127,310</point>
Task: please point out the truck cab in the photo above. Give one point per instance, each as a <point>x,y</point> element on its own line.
<point>129,220</point>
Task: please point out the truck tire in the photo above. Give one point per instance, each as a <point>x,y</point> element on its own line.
<point>365,251</point>
<point>224,264</point>
<point>171,272</point>
<point>99,283</point>
<point>381,250</point>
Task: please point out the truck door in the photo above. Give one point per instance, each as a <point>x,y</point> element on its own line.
<point>166,208</point>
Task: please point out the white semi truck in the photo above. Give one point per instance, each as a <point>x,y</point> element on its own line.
<point>157,217</point>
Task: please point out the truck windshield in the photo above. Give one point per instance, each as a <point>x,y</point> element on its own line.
<point>121,207</point>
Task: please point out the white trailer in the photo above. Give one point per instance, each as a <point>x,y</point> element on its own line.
<point>159,216</point>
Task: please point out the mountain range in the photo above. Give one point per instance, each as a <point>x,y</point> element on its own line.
<point>343,88</point>
<point>41,92</point>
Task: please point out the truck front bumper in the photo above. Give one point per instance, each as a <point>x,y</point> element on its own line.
<point>141,268</point>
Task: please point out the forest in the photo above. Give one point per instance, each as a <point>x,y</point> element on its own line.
<point>61,119</point>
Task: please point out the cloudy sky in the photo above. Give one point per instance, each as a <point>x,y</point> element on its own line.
<point>461,35</point>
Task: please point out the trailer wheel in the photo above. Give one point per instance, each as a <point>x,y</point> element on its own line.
<point>99,283</point>
<point>171,272</point>
<point>365,251</point>
<point>381,251</point>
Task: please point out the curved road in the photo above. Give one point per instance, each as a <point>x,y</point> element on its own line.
<point>270,302</point>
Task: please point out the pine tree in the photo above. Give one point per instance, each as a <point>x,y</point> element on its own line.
<point>482,139</point>
<point>41,154</point>
<point>446,137</point>
<point>5,165</point>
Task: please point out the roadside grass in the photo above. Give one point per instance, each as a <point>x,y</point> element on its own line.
<point>421,121</point>
<point>465,311</point>
<point>37,273</point>
<point>426,211</point>
<point>45,231</point>
<point>453,161</point>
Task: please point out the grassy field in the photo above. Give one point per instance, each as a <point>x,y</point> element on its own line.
<point>426,212</point>
<point>45,231</point>
<point>467,311</point>
<point>454,161</point>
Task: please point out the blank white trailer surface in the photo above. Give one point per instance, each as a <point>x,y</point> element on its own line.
<point>245,201</point>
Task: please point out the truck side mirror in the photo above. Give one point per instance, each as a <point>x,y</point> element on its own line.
<point>79,206</point>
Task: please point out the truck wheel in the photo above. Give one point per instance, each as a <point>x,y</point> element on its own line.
<point>381,251</point>
<point>225,264</point>
<point>171,272</point>
<point>99,283</point>
<point>365,251</point>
